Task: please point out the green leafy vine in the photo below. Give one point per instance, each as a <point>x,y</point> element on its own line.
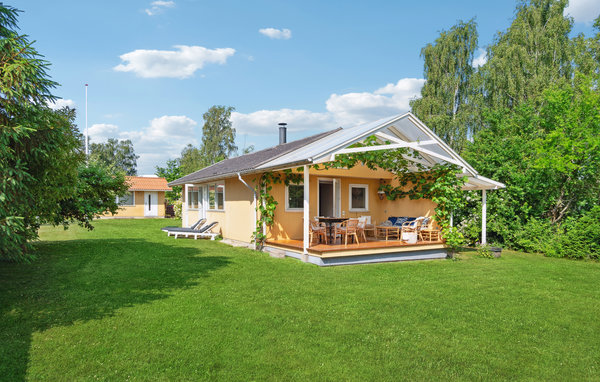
<point>266,203</point>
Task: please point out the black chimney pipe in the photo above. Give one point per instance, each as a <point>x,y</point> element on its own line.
<point>282,133</point>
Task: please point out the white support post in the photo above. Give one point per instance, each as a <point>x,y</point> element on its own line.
<point>184,206</point>
<point>483,217</point>
<point>306,213</point>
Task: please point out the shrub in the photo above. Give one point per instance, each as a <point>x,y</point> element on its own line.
<point>537,235</point>
<point>485,251</point>
<point>581,239</point>
<point>177,207</point>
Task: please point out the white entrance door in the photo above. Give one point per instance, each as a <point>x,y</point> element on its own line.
<point>150,204</point>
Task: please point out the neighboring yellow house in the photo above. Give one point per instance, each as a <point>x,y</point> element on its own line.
<point>145,199</point>
<point>225,192</point>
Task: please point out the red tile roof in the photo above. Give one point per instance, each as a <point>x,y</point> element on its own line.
<point>142,183</point>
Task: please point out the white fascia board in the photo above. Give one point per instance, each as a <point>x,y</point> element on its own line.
<point>393,146</point>
<point>479,182</point>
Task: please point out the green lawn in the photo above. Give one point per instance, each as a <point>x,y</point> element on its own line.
<point>126,302</point>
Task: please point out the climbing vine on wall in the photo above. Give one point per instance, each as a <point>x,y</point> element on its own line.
<point>266,203</point>
<point>440,183</point>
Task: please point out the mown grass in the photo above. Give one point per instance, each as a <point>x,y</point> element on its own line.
<point>126,302</point>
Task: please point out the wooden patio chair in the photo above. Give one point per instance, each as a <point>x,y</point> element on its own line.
<point>337,230</point>
<point>429,232</point>
<point>351,228</point>
<point>411,227</point>
<point>362,227</point>
<point>315,229</point>
<point>369,227</point>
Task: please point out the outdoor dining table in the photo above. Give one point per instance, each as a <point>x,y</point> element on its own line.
<point>329,221</point>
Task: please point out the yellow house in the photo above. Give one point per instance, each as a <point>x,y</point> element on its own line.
<point>144,199</point>
<point>225,193</point>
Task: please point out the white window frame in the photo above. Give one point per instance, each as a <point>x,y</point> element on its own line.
<point>366,187</point>
<point>216,209</point>
<point>287,198</point>
<point>187,197</point>
<point>132,199</point>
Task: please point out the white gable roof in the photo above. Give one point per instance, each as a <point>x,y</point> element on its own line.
<point>402,131</point>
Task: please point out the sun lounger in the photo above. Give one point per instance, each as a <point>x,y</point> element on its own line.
<point>203,233</point>
<point>194,226</point>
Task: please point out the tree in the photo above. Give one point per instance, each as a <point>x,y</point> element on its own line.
<point>95,194</point>
<point>587,53</point>
<point>171,172</point>
<point>191,160</point>
<point>115,154</point>
<point>445,98</point>
<point>534,52</point>
<point>568,148</point>
<point>218,135</point>
<point>548,156</point>
<point>40,149</point>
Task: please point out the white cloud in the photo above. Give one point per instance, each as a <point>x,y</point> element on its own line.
<point>583,11</point>
<point>100,132</point>
<point>280,34</point>
<point>163,139</point>
<point>264,122</point>
<point>60,103</point>
<point>157,7</point>
<point>346,110</point>
<point>481,59</point>
<point>180,63</point>
<point>354,108</point>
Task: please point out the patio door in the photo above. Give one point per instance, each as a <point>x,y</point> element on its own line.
<point>329,197</point>
<point>150,204</point>
<point>337,198</point>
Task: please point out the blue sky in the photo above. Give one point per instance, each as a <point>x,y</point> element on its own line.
<point>154,67</point>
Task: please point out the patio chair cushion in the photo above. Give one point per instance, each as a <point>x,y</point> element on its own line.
<point>397,221</point>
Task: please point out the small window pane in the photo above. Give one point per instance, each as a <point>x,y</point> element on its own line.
<point>211,196</point>
<point>359,198</point>
<point>220,196</point>
<point>126,200</point>
<point>295,196</point>
<point>193,197</point>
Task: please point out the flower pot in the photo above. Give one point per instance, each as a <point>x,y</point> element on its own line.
<point>496,251</point>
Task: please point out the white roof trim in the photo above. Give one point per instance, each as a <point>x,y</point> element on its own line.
<point>411,133</point>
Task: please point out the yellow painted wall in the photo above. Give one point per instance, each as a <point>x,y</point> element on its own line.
<point>237,220</point>
<point>239,209</point>
<point>138,209</point>
<point>288,224</point>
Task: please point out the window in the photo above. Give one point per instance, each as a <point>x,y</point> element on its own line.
<point>192,197</point>
<point>359,197</point>
<point>294,199</point>
<point>220,196</point>
<point>126,200</point>
<point>216,196</point>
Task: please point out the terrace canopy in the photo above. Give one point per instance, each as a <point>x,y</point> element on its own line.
<point>401,131</point>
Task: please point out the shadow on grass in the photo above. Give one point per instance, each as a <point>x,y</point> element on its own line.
<point>82,280</point>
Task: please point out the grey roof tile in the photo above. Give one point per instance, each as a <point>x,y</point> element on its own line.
<point>247,162</point>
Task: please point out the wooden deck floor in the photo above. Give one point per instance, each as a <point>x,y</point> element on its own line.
<point>371,244</point>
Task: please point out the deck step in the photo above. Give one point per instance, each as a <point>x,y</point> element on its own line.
<point>275,252</point>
